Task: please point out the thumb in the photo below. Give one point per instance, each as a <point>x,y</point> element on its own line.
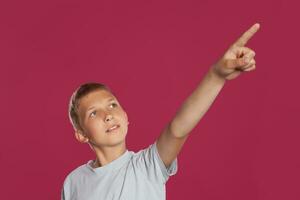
<point>238,62</point>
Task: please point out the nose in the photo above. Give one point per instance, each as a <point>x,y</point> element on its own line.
<point>108,117</point>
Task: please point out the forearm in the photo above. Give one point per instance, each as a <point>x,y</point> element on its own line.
<point>197,104</point>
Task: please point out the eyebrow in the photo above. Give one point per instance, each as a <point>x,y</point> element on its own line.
<point>108,99</point>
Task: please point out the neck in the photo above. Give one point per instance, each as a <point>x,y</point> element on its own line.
<point>106,155</point>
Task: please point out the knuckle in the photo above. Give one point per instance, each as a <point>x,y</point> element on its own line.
<point>247,49</point>
<point>250,51</point>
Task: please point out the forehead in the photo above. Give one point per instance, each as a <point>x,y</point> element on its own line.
<point>98,96</point>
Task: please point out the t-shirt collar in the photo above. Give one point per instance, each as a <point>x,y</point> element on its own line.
<point>113,165</point>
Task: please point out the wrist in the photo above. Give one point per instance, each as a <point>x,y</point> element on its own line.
<point>214,75</point>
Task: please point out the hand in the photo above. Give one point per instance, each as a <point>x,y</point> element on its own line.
<point>237,58</point>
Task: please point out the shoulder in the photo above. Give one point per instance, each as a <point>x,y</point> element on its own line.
<point>144,152</point>
<point>150,163</point>
<point>76,173</point>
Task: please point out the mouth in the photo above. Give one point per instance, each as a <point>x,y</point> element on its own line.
<point>113,128</point>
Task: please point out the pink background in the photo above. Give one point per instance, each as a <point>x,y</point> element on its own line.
<point>152,54</point>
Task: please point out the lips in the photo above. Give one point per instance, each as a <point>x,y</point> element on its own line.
<point>113,127</point>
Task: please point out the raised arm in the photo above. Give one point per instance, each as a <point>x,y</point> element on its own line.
<point>237,59</point>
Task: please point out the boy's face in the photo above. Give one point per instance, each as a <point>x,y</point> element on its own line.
<point>98,112</point>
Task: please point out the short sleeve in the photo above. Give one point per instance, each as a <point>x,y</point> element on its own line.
<point>65,190</point>
<point>149,161</point>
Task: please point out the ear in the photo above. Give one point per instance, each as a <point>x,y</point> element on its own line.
<point>81,137</point>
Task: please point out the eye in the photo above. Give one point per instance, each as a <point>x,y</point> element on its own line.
<point>92,113</point>
<point>114,104</point>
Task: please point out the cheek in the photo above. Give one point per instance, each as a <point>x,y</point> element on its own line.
<point>95,126</point>
<point>125,117</point>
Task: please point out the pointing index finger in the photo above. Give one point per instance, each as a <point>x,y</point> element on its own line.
<point>242,41</point>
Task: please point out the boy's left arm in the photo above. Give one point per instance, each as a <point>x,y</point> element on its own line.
<point>236,60</point>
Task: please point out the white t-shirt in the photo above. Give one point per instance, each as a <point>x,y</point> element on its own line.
<point>132,176</point>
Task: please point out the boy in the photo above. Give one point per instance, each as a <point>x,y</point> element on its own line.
<point>99,120</point>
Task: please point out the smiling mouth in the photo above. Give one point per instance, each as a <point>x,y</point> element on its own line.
<point>113,128</point>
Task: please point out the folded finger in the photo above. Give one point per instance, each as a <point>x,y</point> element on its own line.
<point>250,68</point>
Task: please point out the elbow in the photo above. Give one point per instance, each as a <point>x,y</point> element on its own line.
<point>177,130</point>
